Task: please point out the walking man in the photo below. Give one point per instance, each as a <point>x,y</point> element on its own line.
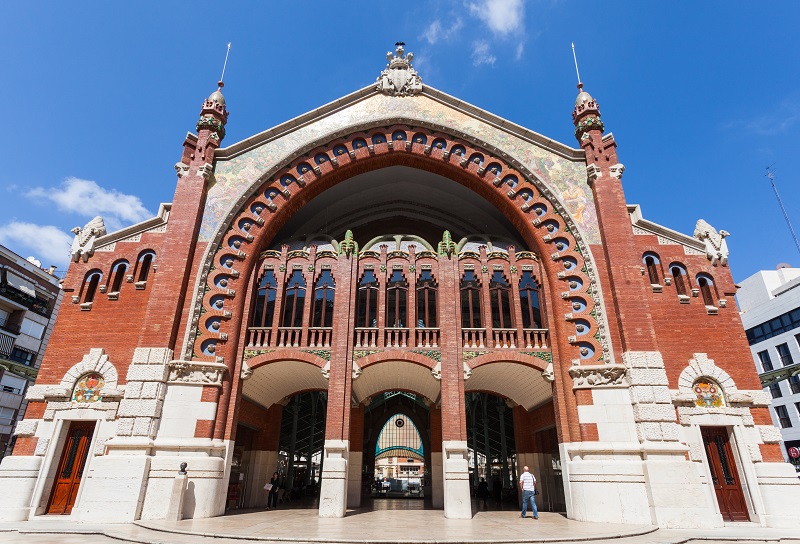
<point>527,484</point>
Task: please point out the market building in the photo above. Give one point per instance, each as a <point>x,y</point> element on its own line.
<point>400,240</point>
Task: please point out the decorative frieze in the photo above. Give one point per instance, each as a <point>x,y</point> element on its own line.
<point>188,372</point>
<point>589,376</point>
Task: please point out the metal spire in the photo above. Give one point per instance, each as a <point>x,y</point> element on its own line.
<point>575,58</point>
<point>224,65</point>
<point>771,175</point>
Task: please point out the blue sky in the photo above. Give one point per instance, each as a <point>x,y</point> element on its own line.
<point>701,97</point>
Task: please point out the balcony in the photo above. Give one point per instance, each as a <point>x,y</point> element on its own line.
<point>34,304</point>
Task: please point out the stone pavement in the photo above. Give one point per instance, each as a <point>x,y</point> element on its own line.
<point>374,526</point>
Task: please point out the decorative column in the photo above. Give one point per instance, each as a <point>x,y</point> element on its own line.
<point>336,452</point>
<point>455,453</point>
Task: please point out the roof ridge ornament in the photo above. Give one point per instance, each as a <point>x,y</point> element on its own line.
<point>399,78</point>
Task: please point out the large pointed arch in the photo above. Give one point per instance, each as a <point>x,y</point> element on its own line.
<point>539,216</point>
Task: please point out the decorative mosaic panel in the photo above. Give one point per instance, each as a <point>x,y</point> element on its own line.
<point>709,394</point>
<point>566,178</point>
<point>88,388</point>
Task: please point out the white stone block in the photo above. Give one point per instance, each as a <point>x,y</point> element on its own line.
<point>769,434</point>
<point>26,427</point>
<point>654,412</point>
<point>41,446</point>
<point>647,376</point>
<point>125,426</point>
<point>643,394</point>
<point>134,390</point>
<point>159,356</point>
<point>18,474</point>
<point>142,426</point>
<point>147,373</point>
<point>140,408</point>
<point>152,390</point>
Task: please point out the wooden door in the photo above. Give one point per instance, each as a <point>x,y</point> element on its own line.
<point>70,467</point>
<point>724,476</point>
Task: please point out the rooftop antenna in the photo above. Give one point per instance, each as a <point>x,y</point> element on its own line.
<point>575,58</point>
<point>771,175</point>
<point>224,65</point>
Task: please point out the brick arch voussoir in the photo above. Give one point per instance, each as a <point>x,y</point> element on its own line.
<point>517,358</point>
<point>395,355</point>
<point>284,354</point>
<point>539,217</point>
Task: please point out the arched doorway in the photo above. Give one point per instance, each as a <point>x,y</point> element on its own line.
<point>397,451</point>
<point>488,273</point>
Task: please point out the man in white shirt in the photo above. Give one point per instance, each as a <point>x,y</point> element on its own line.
<point>527,483</point>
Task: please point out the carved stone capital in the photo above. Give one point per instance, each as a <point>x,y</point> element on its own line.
<point>188,372</point>
<point>590,376</point>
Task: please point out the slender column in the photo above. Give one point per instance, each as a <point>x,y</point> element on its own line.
<point>411,300</point>
<point>382,275</point>
<point>487,450</point>
<point>310,451</point>
<point>454,432</point>
<point>280,287</point>
<point>333,491</point>
<point>516,301</point>
<point>308,308</point>
<point>501,411</point>
<point>486,299</point>
<point>295,410</point>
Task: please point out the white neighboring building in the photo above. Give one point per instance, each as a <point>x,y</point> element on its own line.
<point>769,302</point>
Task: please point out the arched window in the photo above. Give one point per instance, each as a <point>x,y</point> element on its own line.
<point>145,263</point>
<point>707,289</point>
<point>294,299</point>
<point>367,300</point>
<point>653,266</point>
<point>499,295</point>
<point>323,300</point>
<point>90,284</point>
<point>680,278</point>
<point>265,300</point>
<point>426,300</point>
<point>470,301</point>
<point>396,300</point>
<point>529,302</point>
<point>118,276</point>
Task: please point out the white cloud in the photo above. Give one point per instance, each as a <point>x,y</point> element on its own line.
<point>45,242</point>
<point>435,32</point>
<point>481,53</point>
<point>502,16</point>
<point>88,199</point>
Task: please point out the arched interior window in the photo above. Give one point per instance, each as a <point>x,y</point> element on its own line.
<point>294,299</point>
<point>90,285</point>
<point>118,276</point>
<point>680,279</point>
<point>323,300</point>
<point>426,300</point>
<point>396,300</point>
<point>653,265</point>
<point>470,300</point>
<point>367,300</point>
<point>529,302</point>
<point>146,260</point>
<point>499,295</point>
<point>707,289</point>
<point>265,300</point>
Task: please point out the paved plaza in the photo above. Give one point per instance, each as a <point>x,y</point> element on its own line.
<point>387,521</point>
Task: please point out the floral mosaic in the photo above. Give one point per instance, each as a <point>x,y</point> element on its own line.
<point>88,388</point>
<point>565,177</point>
<point>709,394</point>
